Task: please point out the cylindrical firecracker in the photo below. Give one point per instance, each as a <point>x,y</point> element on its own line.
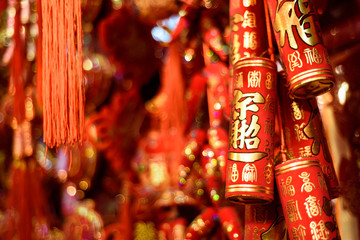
<point>301,49</point>
<point>303,133</point>
<point>305,199</point>
<point>265,221</point>
<point>249,176</point>
<point>248,36</point>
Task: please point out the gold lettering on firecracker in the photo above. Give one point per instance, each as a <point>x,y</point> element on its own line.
<point>312,206</point>
<point>246,156</point>
<point>319,231</point>
<point>250,41</point>
<point>298,233</point>
<point>307,185</point>
<point>286,187</point>
<point>248,3</point>
<point>312,56</point>
<point>234,173</point>
<point>239,80</point>
<point>299,134</point>
<point>305,151</point>
<point>254,79</point>
<point>249,20</point>
<point>269,104</point>
<point>321,181</point>
<point>235,49</point>
<point>292,210</point>
<point>268,173</point>
<point>249,173</point>
<point>294,60</point>
<point>243,134</point>
<point>247,55</point>
<point>298,112</point>
<point>299,16</point>
<point>269,126</point>
<point>269,81</point>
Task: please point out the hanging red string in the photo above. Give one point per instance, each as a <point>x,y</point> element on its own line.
<point>61,66</point>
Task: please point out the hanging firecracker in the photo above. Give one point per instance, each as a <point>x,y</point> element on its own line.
<point>303,133</point>
<point>305,199</point>
<point>301,50</point>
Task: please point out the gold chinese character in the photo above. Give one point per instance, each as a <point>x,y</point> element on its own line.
<point>319,231</point>
<point>305,151</point>
<point>286,188</point>
<point>294,60</point>
<point>269,126</point>
<point>248,3</point>
<point>312,56</point>
<point>250,40</point>
<point>239,80</point>
<point>299,134</point>
<point>243,134</point>
<point>269,104</point>
<point>269,81</point>
<point>254,79</point>
<point>312,206</point>
<point>243,105</point>
<point>235,49</point>
<point>299,233</point>
<point>292,210</point>
<point>236,19</point>
<point>249,20</point>
<point>234,173</point>
<point>307,185</point>
<point>298,14</point>
<point>298,113</point>
<point>249,173</point>
<point>268,173</point>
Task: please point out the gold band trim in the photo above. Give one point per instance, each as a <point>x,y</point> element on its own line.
<point>311,73</point>
<point>250,199</point>
<point>255,62</point>
<point>248,188</point>
<point>286,167</point>
<point>246,157</point>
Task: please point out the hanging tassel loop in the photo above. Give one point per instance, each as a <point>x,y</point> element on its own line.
<point>62,81</point>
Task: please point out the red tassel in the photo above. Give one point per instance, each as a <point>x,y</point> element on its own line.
<point>62,80</point>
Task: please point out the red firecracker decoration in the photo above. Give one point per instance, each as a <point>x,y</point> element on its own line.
<point>250,158</point>
<point>303,133</point>
<point>299,41</point>
<point>305,199</point>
